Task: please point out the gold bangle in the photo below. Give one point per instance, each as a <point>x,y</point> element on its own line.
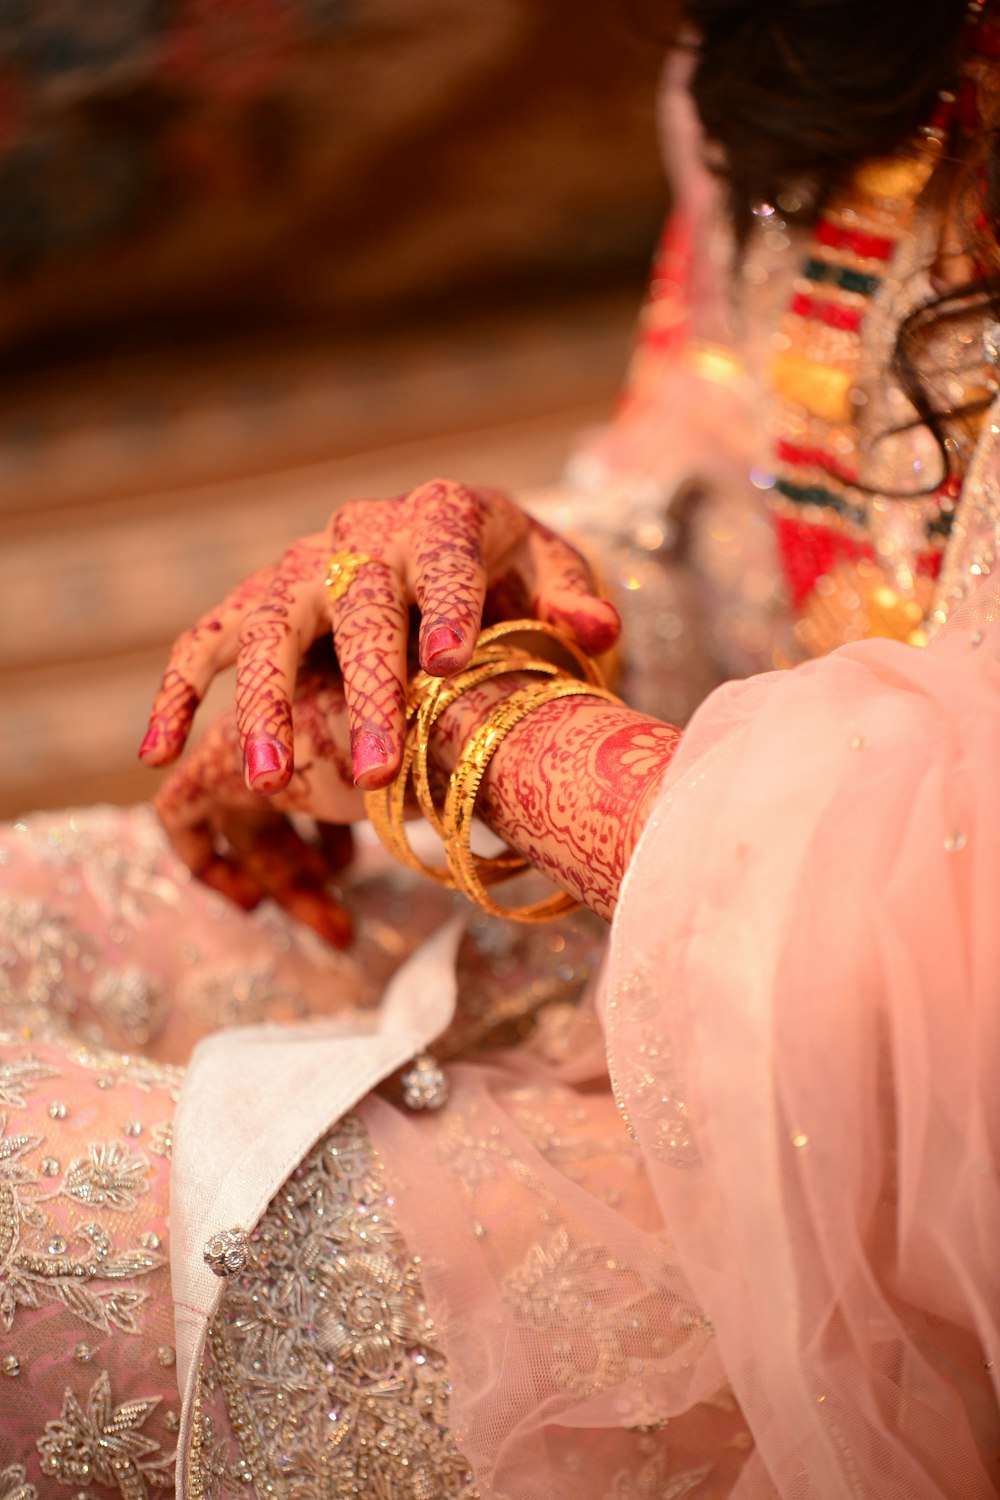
<point>427,697</point>
<point>450,689</point>
<point>466,779</point>
<point>588,666</point>
<point>387,806</point>
<point>446,691</point>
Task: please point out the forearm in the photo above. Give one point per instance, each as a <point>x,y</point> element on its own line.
<point>570,787</point>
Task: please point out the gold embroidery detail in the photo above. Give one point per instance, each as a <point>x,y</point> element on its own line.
<point>107,1177</point>
<point>105,1443</point>
<point>143,1072</point>
<point>14,1484</point>
<point>19,1077</point>
<point>29,1277</point>
<point>324,1351</point>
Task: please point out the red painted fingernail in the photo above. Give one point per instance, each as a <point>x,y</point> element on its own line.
<point>264,758</point>
<point>369,756</point>
<point>149,743</point>
<point>440,642</point>
<point>600,635</point>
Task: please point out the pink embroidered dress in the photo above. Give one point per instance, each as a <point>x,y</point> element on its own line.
<point>762,1264</point>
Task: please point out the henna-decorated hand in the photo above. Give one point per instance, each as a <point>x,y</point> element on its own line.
<point>241,843</point>
<point>460,554</point>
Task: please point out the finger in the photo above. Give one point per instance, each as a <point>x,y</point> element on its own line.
<point>273,638</point>
<point>447,573</point>
<point>184,810</point>
<point>195,659</point>
<point>291,872</point>
<point>369,631</point>
<point>563,593</point>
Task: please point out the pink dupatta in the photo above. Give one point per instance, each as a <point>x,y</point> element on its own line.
<point>803,1016</point>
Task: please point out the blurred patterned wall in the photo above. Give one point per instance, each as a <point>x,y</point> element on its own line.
<point>257,256</point>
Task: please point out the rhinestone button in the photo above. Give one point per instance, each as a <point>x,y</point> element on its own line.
<point>226,1251</point>
<point>424,1084</point>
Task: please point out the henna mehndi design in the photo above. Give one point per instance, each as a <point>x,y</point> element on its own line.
<point>273,637</point>
<point>444,546</point>
<point>570,787</point>
<point>197,656</point>
<point>241,843</point>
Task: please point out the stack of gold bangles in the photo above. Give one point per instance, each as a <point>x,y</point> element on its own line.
<point>427,699</point>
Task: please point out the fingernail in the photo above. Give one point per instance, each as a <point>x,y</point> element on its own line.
<point>369,755</point>
<point>602,634</point>
<point>441,642</point>
<point>264,758</point>
<point>152,736</point>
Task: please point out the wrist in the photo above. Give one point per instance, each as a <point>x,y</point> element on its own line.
<point>460,721</point>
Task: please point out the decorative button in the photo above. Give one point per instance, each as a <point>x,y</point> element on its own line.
<point>226,1251</point>
<point>424,1084</point>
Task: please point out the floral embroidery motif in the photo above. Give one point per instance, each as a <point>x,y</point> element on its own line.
<point>132,1002</point>
<point>602,1321</point>
<point>127,877</point>
<point>330,1313</point>
<point>107,1177</point>
<point>646,1072</point>
<point>37,943</point>
<point>104,1442</point>
<point>14,1484</point>
<point>658,1480</point>
<point>141,1071</point>
<point>88,1282</point>
<point>161,1139</point>
<point>237,995</point>
<point>372,1313</point>
<point>18,1078</point>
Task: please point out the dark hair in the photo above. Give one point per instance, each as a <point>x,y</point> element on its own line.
<point>795,94</point>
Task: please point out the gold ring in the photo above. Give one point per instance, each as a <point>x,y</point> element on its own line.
<point>341,572</point>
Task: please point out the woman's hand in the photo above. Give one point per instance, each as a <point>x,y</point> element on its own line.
<point>241,843</point>
<point>456,552</point>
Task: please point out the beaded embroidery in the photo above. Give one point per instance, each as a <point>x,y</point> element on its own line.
<point>104,1442</point>
<point>322,1360</point>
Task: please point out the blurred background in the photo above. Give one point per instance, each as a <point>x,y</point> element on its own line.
<point>259,256</point>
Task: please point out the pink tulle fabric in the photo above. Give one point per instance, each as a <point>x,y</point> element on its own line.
<point>801,1011</point>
